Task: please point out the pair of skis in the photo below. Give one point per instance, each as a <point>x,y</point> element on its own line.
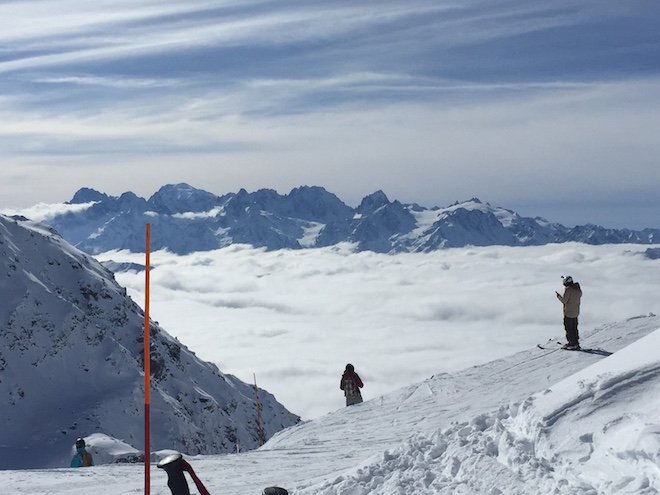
<point>549,346</point>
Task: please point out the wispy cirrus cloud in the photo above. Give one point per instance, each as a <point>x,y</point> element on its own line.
<point>427,100</point>
<point>110,82</point>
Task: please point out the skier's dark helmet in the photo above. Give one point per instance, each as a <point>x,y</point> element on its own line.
<point>568,281</point>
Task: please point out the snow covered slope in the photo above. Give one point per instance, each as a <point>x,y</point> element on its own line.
<point>537,422</point>
<point>595,431</point>
<point>71,361</point>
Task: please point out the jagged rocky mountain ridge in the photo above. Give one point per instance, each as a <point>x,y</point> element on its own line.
<point>186,219</point>
<point>71,361</point>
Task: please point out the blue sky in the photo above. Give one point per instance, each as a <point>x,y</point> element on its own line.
<point>550,109</point>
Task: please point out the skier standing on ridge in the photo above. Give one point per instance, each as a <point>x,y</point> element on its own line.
<point>571,302</point>
<point>82,457</point>
<point>351,385</point>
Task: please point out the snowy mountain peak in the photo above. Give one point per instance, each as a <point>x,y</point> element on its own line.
<point>373,202</point>
<point>71,361</point>
<point>181,198</point>
<point>87,195</point>
<point>316,204</point>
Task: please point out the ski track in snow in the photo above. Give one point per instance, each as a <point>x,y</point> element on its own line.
<point>536,422</point>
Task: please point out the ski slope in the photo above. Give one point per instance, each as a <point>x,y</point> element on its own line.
<point>536,422</point>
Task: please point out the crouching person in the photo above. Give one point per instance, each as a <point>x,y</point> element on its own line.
<point>82,457</point>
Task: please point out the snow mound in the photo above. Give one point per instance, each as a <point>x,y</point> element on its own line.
<point>106,449</point>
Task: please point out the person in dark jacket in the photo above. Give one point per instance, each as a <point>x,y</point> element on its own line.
<point>351,384</point>
<point>571,302</point>
<point>82,457</point>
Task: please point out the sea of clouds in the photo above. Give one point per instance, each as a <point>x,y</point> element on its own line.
<point>294,318</point>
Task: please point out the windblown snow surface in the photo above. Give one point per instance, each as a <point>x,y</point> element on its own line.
<point>536,422</point>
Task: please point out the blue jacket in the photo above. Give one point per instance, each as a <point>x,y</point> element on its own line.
<point>77,460</point>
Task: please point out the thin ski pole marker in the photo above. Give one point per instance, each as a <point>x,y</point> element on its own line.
<point>147,369</point>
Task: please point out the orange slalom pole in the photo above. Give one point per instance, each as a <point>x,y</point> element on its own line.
<point>256,394</point>
<point>147,370</point>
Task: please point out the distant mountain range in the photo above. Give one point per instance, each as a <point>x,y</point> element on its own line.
<point>185,219</point>
<point>71,365</point>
